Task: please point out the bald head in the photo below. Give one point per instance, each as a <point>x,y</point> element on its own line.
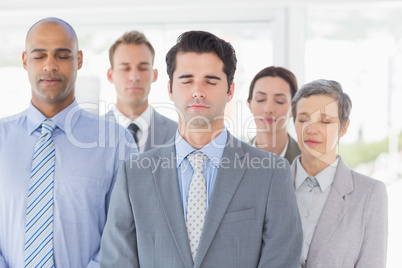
<point>52,60</point>
<point>53,21</point>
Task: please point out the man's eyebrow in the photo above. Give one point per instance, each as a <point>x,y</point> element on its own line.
<point>57,50</point>
<point>212,77</point>
<point>38,50</point>
<point>63,50</point>
<point>186,76</point>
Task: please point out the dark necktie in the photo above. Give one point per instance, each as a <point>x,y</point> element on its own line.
<point>133,128</point>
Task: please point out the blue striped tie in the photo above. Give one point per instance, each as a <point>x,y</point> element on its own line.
<point>39,218</point>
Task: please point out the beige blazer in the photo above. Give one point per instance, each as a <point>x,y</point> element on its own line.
<point>352,230</point>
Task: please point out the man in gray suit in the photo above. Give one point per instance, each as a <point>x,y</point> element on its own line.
<point>132,73</point>
<point>208,199</point>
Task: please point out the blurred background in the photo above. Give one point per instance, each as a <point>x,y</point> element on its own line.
<point>357,43</point>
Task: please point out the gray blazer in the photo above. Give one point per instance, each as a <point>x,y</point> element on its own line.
<point>252,219</point>
<point>161,129</point>
<point>352,230</point>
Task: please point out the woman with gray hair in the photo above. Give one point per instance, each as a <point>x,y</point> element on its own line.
<point>344,213</point>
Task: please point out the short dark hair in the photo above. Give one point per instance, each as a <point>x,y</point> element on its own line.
<point>274,71</point>
<point>134,38</point>
<point>203,42</point>
<point>328,88</point>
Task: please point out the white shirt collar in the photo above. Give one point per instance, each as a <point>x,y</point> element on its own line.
<point>325,178</point>
<point>284,149</point>
<point>143,121</point>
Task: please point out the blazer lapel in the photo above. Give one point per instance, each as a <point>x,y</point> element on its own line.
<point>169,194</point>
<point>225,186</point>
<point>333,212</point>
<point>156,131</point>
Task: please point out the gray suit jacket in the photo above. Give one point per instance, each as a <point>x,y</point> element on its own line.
<point>352,229</point>
<point>161,129</point>
<point>252,219</point>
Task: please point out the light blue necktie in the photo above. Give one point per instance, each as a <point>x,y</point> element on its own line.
<point>39,218</point>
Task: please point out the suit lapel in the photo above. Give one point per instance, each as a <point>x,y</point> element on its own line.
<point>156,132</point>
<point>335,208</point>
<point>225,187</point>
<point>169,194</point>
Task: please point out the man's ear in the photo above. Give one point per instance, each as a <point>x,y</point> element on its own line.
<point>231,92</point>
<point>24,59</point>
<point>110,75</point>
<point>80,59</point>
<point>155,75</point>
<point>169,91</point>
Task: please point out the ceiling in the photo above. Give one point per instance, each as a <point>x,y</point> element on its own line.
<point>20,14</point>
<point>77,4</point>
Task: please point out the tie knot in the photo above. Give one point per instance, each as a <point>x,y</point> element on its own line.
<point>48,127</point>
<point>312,181</point>
<point>197,161</point>
<point>133,128</point>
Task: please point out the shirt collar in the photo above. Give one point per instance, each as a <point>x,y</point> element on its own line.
<point>65,119</point>
<point>213,150</point>
<point>143,121</point>
<point>325,178</point>
<point>284,149</point>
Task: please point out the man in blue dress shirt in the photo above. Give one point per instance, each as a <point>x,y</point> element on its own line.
<point>88,152</point>
<point>206,199</point>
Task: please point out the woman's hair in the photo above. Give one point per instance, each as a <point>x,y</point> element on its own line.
<point>273,71</point>
<point>328,88</point>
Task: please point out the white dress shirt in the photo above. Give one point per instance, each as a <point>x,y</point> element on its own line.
<point>143,122</point>
<point>311,201</point>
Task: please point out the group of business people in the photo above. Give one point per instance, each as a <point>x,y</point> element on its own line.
<point>136,189</point>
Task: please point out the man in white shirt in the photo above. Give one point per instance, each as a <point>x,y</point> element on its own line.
<point>132,73</point>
